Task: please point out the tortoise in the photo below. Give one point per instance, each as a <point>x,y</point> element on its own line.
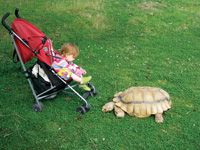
<point>140,102</point>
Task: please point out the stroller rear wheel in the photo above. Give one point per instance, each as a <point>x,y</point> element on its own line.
<point>37,107</point>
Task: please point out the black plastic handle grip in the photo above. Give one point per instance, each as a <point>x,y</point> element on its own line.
<point>16,13</point>
<point>4,23</point>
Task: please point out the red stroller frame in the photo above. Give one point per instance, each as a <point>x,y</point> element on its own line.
<point>38,48</point>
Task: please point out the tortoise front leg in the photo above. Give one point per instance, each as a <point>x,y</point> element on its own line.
<point>159,118</point>
<point>119,112</point>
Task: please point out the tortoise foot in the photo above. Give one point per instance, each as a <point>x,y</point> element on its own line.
<point>119,112</point>
<point>159,118</point>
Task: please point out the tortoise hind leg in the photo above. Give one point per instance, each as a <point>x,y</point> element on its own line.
<point>159,118</point>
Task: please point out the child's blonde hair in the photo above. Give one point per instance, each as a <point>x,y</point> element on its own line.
<point>69,48</point>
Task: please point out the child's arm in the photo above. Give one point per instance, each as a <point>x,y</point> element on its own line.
<point>77,70</point>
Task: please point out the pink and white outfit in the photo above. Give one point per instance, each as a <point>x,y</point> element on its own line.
<point>61,63</point>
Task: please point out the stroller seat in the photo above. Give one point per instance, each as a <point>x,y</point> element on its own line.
<point>44,82</point>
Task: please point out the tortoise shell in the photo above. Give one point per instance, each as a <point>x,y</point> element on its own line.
<point>142,102</point>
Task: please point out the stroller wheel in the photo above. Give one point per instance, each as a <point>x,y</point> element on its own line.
<point>95,92</point>
<point>37,107</point>
<point>87,106</point>
<point>81,109</point>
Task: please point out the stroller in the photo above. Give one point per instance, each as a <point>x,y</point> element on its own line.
<point>44,82</point>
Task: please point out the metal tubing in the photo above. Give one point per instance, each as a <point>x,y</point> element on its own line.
<point>70,87</point>
<point>21,40</point>
<point>45,91</point>
<point>46,96</point>
<point>77,93</point>
<point>24,69</point>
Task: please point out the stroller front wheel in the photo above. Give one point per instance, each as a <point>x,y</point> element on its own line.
<point>87,106</point>
<point>83,109</point>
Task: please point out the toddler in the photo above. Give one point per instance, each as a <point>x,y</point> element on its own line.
<point>66,69</point>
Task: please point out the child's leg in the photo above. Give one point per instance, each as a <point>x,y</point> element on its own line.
<point>76,78</point>
<point>82,81</point>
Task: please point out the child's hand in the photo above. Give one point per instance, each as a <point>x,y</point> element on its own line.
<point>79,72</point>
<point>83,71</point>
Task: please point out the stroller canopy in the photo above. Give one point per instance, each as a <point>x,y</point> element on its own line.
<point>37,42</point>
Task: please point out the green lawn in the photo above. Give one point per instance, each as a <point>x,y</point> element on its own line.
<point>122,44</point>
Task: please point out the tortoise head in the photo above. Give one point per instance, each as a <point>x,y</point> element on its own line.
<point>108,107</point>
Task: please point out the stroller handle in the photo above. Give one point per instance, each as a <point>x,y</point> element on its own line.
<point>16,13</point>
<point>4,23</point>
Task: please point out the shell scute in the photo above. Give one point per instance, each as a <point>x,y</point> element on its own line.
<point>136,110</point>
<point>122,106</point>
<point>159,108</point>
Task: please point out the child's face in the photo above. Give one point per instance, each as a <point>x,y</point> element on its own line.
<point>69,57</point>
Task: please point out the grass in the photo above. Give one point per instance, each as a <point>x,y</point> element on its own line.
<point>122,44</point>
